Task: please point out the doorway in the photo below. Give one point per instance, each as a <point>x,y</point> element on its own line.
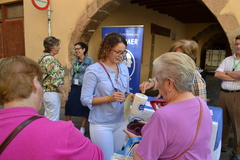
<point>11,30</point>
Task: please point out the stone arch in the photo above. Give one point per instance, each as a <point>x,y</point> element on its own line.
<point>91,19</point>
<point>206,31</point>
<point>208,45</point>
<point>228,21</point>
<point>98,10</point>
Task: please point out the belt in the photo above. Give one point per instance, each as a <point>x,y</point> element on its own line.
<point>228,91</point>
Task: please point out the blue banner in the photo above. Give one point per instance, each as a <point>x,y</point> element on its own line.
<point>134,37</point>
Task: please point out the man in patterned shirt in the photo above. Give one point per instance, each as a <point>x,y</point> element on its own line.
<point>190,48</point>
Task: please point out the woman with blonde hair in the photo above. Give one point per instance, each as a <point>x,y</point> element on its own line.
<point>190,48</point>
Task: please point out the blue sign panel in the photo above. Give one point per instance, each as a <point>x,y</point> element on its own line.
<point>134,37</point>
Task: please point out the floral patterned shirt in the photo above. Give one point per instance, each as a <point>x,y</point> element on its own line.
<point>53,73</point>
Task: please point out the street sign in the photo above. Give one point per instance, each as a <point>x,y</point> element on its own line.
<point>41,4</point>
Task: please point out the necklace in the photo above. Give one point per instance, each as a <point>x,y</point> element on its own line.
<point>116,77</point>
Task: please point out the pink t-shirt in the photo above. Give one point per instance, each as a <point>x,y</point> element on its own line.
<point>171,130</point>
<point>44,139</point>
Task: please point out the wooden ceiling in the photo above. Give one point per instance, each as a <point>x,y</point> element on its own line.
<point>185,11</point>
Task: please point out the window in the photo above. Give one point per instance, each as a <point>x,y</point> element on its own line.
<point>15,11</point>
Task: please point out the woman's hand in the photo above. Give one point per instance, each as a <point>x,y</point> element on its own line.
<point>118,96</point>
<point>63,93</point>
<point>132,96</point>
<point>146,85</point>
<point>134,153</point>
<point>64,97</point>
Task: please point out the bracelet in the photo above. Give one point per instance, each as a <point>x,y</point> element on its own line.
<point>110,99</point>
<point>226,73</point>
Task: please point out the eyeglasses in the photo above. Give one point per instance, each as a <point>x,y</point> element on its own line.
<point>77,49</point>
<point>122,53</point>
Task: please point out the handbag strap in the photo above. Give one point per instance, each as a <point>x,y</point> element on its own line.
<point>43,58</point>
<point>15,132</point>
<point>198,126</point>
<point>108,75</point>
<point>40,62</point>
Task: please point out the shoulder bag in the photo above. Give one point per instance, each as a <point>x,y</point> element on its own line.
<point>15,132</point>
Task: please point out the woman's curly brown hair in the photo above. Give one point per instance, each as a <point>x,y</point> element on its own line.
<point>109,42</point>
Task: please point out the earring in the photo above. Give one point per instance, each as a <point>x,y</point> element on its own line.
<point>169,90</point>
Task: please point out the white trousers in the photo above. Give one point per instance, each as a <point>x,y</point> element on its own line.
<point>52,104</point>
<point>109,137</point>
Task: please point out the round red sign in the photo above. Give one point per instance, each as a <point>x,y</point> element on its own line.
<point>41,4</point>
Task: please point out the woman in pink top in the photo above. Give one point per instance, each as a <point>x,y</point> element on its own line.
<point>171,131</point>
<point>21,96</point>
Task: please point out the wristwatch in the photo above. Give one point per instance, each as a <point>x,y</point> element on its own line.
<point>152,79</point>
